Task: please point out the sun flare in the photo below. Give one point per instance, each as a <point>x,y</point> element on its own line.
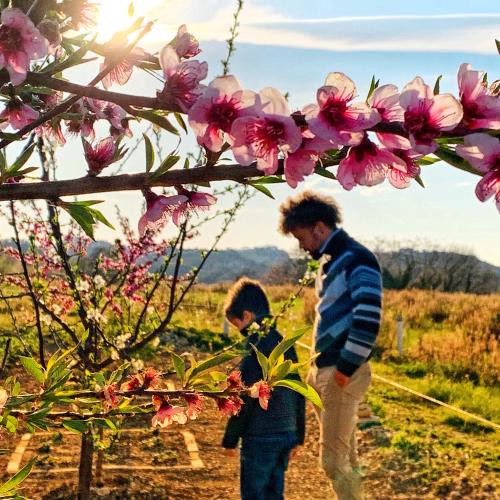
<point>115,15</point>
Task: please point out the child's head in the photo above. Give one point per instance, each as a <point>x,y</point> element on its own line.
<point>245,301</point>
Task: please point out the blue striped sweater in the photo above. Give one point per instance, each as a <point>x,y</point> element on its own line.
<point>349,288</point>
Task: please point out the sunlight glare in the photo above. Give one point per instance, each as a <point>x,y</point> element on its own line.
<point>114,16</point>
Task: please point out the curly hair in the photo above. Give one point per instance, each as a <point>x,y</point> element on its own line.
<point>246,295</point>
<point>306,209</point>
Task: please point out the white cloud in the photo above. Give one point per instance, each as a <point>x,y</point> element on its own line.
<point>267,26</point>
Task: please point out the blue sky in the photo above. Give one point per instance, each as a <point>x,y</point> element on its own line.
<point>292,45</point>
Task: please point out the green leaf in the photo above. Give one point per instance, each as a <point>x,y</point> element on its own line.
<point>373,85</point>
<point>10,423</point>
<point>179,366</point>
<point>282,347</point>
<point>128,409</point>
<point>3,162</point>
<point>131,9</point>
<point>85,216</point>
<point>74,59</point>
<point>324,172</point>
<point>150,154</point>
<point>165,166</point>
<point>99,216</point>
<point>21,160</point>
<point>9,487</point>
<point>269,179</point>
<point>280,371</point>
<point>117,374</point>
<point>453,159</point>
<point>77,426</point>
<point>420,181</point>
<point>82,217</point>
<point>209,363</point>
<point>33,368</point>
<point>181,121</point>
<point>302,388</point>
<point>263,362</point>
<point>105,422</point>
<point>436,85</point>
<point>99,378</point>
<point>157,119</point>
<point>262,189</point>
<point>428,160</point>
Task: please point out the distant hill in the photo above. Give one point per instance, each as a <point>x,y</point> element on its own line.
<point>404,268</point>
<point>228,265</point>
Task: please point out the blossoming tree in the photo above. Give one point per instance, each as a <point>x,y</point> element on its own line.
<point>389,136</point>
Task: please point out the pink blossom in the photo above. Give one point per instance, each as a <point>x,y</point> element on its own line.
<point>151,378</point>
<point>481,107</point>
<point>427,115</point>
<point>166,414</point>
<point>195,405</point>
<point>185,44</point>
<point>213,114</point>
<point>264,136</point>
<point>182,85</point>
<point>303,161</point>
<point>121,72</point>
<point>482,151</point>
<point>17,114</point>
<point>110,111</point>
<point>229,406</point>
<point>132,384</point>
<point>101,156</point>
<point>401,147</point>
<point>333,118</point>
<point>49,28</point>
<point>262,391</point>
<point>3,398</point>
<point>85,125</point>
<point>110,398</point>
<point>83,13</point>
<point>20,42</point>
<point>195,201</point>
<point>234,381</point>
<point>159,208</point>
<point>385,100</point>
<point>367,165</point>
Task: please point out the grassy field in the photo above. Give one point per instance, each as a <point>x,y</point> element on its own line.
<point>451,353</point>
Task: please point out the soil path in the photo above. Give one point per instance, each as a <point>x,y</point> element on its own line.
<point>387,477</point>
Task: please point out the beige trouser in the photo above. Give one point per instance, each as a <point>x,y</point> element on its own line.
<point>338,451</point>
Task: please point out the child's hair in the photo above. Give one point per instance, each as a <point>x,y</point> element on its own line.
<point>246,295</point>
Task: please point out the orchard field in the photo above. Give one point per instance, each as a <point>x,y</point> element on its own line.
<point>420,450</point>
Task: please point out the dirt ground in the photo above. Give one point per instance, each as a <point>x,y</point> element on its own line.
<point>387,477</point>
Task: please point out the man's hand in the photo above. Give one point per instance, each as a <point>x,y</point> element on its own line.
<point>294,453</point>
<point>341,379</point>
<point>230,452</point>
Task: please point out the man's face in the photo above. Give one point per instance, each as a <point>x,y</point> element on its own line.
<point>310,239</point>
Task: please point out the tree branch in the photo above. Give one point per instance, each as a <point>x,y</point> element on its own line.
<point>129,182</point>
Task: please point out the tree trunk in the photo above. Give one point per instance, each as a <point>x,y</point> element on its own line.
<point>99,460</point>
<point>85,469</point>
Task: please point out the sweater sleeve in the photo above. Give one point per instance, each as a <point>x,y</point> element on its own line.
<point>237,423</point>
<point>364,282</point>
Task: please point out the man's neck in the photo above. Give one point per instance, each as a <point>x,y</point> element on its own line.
<point>327,240</point>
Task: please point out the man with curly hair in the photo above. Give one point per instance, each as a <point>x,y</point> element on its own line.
<point>348,313</point>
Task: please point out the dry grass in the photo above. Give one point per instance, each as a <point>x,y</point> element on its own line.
<point>458,331</point>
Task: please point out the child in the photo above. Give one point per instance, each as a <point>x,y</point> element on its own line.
<point>268,436</point>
